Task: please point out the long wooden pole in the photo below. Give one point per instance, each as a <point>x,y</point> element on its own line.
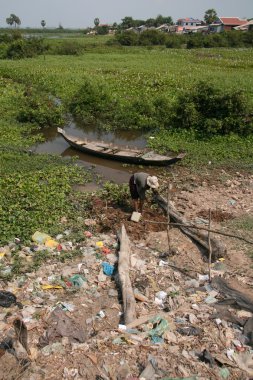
<point>209,246</point>
<point>124,278</point>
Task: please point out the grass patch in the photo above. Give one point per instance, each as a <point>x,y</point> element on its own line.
<point>230,151</point>
<point>244,223</point>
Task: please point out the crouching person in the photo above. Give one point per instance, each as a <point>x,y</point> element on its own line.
<point>139,183</point>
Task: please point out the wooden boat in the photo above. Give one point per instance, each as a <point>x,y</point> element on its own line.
<point>112,152</point>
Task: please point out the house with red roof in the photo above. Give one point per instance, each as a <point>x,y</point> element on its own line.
<point>226,23</point>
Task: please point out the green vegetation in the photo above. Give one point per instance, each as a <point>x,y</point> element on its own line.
<point>14,46</point>
<point>233,39</point>
<point>35,190</point>
<point>116,87</point>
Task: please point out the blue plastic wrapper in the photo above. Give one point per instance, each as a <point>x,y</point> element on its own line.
<point>108,269</point>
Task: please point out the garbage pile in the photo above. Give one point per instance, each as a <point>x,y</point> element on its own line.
<point>64,320</point>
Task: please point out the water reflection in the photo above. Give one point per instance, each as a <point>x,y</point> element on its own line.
<point>109,169</point>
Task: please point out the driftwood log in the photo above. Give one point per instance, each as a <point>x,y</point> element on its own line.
<point>201,237</point>
<point>124,279</point>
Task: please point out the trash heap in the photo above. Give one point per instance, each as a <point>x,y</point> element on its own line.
<point>64,319</point>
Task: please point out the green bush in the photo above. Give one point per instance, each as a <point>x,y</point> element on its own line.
<point>209,111</point>
<point>152,37</point>
<point>92,102</point>
<point>128,38</point>
<point>174,41</point>
<point>40,109</point>
<point>21,48</point>
<point>69,48</point>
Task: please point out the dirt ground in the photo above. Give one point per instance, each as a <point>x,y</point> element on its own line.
<point>79,332</point>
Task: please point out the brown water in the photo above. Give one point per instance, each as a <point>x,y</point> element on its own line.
<point>110,170</point>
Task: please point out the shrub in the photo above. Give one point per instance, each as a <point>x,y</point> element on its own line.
<point>128,38</point>
<point>210,111</point>
<point>69,48</point>
<point>174,41</point>
<point>152,37</point>
<point>40,109</point>
<point>21,48</point>
<point>92,101</point>
<point>195,41</point>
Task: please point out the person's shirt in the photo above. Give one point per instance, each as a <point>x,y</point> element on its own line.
<point>140,179</point>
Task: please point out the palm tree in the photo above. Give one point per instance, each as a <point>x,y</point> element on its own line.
<point>43,23</point>
<point>13,19</point>
<point>210,16</point>
<point>96,22</point>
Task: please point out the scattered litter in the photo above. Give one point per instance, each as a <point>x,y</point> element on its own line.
<point>99,244</point>
<point>40,237</point>
<point>224,373</point>
<point>67,306</point>
<point>206,357</point>
<point>139,296</point>
<point>106,250</point>
<point>203,277</point>
<point>162,263</point>
<point>160,326</point>
<point>61,325</point>
<point>189,330</point>
<point>230,354</point>
<point>77,280</point>
<point>108,269</point>
<point>136,216</point>
<point>161,295</point>
<point>48,287</point>
<point>101,314</point>
<point>70,372</point>
<point>210,299</point>
<point>50,243</point>
<point>7,299</point>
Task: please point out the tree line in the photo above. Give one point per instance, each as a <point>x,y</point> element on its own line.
<point>126,23</point>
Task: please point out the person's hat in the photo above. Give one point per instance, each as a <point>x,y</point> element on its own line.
<point>152,182</point>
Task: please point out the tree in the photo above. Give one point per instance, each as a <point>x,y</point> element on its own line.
<point>150,22</point>
<point>96,22</point>
<point>127,22</point>
<point>103,29</point>
<point>43,23</point>
<point>13,19</point>
<point>210,16</point>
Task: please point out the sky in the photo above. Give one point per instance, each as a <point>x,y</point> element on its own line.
<point>81,13</point>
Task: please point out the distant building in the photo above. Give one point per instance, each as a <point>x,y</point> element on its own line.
<point>245,27</point>
<point>189,25</point>
<point>189,21</point>
<point>226,23</point>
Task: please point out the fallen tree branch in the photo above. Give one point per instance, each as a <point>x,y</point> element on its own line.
<point>201,238</point>
<point>204,229</point>
<point>124,279</point>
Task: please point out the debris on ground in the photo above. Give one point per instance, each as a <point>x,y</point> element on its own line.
<point>65,318</point>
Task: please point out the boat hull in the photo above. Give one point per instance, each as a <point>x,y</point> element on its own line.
<point>122,158</point>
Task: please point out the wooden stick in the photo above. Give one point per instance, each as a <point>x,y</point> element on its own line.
<point>209,246</point>
<point>168,218</point>
<point>123,269</point>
